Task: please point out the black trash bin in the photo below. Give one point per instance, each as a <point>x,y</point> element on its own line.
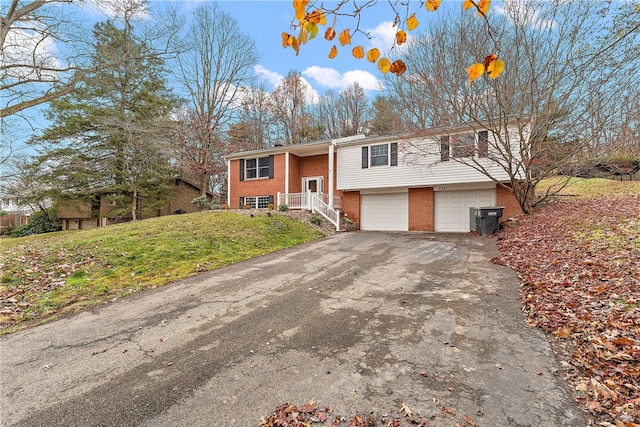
<point>488,220</point>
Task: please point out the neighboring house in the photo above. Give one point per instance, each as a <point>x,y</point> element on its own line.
<point>17,212</point>
<point>407,183</point>
<point>77,214</point>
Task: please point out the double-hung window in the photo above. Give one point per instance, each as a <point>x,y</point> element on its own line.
<point>259,167</point>
<point>380,155</point>
<point>464,145</point>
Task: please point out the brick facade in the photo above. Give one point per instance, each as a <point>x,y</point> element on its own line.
<point>351,205</point>
<point>421,213</point>
<point>506,199</point>
<point>299,168</point>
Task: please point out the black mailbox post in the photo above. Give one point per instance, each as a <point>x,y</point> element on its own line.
<point>488,220</point>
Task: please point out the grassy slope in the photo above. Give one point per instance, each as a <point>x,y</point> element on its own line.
<point>43,277</point>
<point>582,187</point>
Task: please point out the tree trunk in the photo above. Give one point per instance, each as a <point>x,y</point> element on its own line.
<point>134,205</point>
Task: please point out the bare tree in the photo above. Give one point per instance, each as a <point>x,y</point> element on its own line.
<point>289,108</point>
<point>46,52</point>
<point>556,53</point>
<point>256,116</point>
<point>353,110</point>
<point>326,112</point>
<point>215,66</point>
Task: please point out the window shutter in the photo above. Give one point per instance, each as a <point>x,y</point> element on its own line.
<point>241,169</point>
<point>483,143</point>
<point>271,200</point>
<point>365,157</point>
<point>271,166</point>
<point>394,154</point>
<point>444,148</point>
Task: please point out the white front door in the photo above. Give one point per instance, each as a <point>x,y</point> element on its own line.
<point>313,184</point>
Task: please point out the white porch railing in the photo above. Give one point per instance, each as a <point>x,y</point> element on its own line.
<point>318,205</point>
<point>314,202</point>
<point>303,200</point>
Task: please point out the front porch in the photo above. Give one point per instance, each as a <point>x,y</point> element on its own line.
<point>326,205</point>
<point>305,200</point>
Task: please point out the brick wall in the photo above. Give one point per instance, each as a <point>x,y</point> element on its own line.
<point>181,196</point>
<point>505,198</point>
<point>421,209</point>
<point>351,204</point>
<point>256,187</point>
<point>295,180</point>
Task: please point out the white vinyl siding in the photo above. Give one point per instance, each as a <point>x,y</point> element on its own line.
<point>452,207</point>
<point>418,165</point>
<point>384,212</point>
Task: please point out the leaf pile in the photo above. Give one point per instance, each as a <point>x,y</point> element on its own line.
<point>287,415</point>
<point>579,263</point>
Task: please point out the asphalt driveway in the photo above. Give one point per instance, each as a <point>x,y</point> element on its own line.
<point>360,322</point>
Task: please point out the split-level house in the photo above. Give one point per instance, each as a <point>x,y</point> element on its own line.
<point>405,183</point>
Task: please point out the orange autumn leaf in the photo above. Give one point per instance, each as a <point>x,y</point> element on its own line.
<point>358,52</point>
<point>299,6</point>
<point>289,40</point>
<point>285,40</point>
<point>432,5</point>
<point>373,55</point>
<point>495,68</point>
<point>412,22</point>
<point>475,71</point>
<point>333,52</point>
<point>317,17</point>
<point>345,37</point>
<point>384,65</point>
<point>483,7</point>
<point>467,4</point>
<point>398,68</point>
<point>563,333</point>
<point>330,34</point>
<point>401,37</point>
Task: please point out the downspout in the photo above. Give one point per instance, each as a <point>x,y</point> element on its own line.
<point>229,183</point>
<point>330,173</point>
<point>286,178</point>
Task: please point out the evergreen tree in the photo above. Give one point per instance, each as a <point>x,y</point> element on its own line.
<point>111,134</point>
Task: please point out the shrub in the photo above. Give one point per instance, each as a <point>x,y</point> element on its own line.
<point>40,222</point>
<point>316,220</point>
<point>270,206</point>
<point>283,208</point>
<point>202,202</point>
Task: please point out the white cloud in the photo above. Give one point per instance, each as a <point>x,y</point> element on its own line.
<point>33,50</point>
<point>327,77</point>
<point>271,77</point>
<point>275,79</point>
<point>382,36</point>
<point>333,79</point>
<point>365,79</point>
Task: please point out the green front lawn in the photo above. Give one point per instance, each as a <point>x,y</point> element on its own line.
<point>46,276</point>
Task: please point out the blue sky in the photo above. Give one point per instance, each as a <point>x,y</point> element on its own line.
<point>264,21</point>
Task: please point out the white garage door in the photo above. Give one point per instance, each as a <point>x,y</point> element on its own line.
<point>384,212</point>
<point>452,207</point>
